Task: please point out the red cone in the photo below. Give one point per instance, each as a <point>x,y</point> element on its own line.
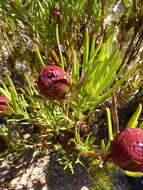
<point>53,82</point>
<point>127,150</point>
<point>4,103</point>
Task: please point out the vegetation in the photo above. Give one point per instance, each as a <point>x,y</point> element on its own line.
<point>99,44</point>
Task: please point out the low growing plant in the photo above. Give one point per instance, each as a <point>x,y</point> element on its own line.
<point>73,62</point>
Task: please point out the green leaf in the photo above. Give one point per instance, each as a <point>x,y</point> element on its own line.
<point>109,124</point>
<point>92,49</point>
<point>18,4</point>
<point>5,93</point>
<point>118,83</point>
<point>132,174</point>
<point>86,51</point>
<point>12,87</point>
<point>39,56</point>
<point>102,145</point>
<point>132,123</point>
<point>80,4</point>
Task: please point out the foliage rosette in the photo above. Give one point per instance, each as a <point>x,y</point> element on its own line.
<point>3,103</point>
<point>54,82</point>
<point>127,150</point>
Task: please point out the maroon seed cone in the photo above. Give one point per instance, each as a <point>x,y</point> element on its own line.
<point>57,13</point>
<point>53,82</point>
<point>127,150</point>
<point>3,103</point>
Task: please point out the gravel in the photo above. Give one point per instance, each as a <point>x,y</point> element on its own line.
<point>44,173</point>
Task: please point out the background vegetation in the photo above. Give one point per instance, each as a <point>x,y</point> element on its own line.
<point>99,43</point>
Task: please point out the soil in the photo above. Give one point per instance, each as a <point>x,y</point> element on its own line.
<point>45,173</point>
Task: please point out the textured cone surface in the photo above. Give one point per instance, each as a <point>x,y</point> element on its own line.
<point>53,82</point>
<point>3,103</point>
<point>127,150</point>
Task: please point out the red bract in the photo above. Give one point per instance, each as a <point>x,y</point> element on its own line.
<point>53,82</point>
<point>127,150</point>
<point>3,103</point>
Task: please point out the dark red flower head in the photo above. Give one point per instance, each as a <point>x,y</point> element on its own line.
<point>127,150</point>
<point>53,82</point>
<point>57,13</point>
<point>3,103</point>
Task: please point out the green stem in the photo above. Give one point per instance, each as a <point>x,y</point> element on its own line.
<point>58,42</point>
<point>39,56</point>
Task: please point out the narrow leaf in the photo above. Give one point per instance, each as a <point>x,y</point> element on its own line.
<point>132,123</point>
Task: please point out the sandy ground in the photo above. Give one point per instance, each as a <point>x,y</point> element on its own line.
<point>44,173</point>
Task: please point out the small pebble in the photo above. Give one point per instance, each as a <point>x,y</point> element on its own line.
<point>84,188</point>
